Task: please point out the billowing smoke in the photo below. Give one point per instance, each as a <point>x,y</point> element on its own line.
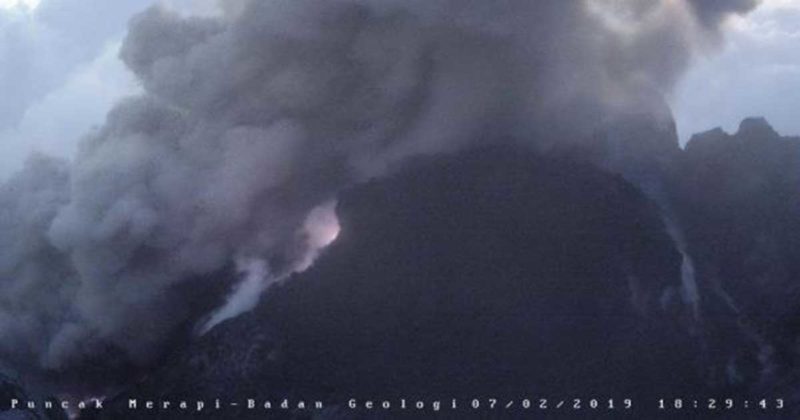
<point>252,119</point>
<point>711,12</point>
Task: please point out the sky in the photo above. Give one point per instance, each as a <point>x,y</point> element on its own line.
<point>757,74</point>
<point>60,74</point>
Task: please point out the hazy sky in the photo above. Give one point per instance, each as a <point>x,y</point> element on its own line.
<point>757,74</point>
<point>59,72</point>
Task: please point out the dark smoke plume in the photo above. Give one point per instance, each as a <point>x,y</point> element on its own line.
<point>253,119</point>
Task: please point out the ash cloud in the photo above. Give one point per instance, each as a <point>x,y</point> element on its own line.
<point>252,119</point>
<point>711,12</point>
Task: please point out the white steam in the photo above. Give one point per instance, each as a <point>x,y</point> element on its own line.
<point>321,228</point>
<point>245,296</point>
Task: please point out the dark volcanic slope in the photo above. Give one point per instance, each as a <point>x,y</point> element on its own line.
<point>492,271</point>
<point>740,207</point>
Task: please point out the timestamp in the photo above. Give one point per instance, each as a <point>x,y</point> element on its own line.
<point>674,404</point>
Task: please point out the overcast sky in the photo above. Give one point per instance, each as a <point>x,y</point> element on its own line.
<point>59,72</point>
<point>756,74</point>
